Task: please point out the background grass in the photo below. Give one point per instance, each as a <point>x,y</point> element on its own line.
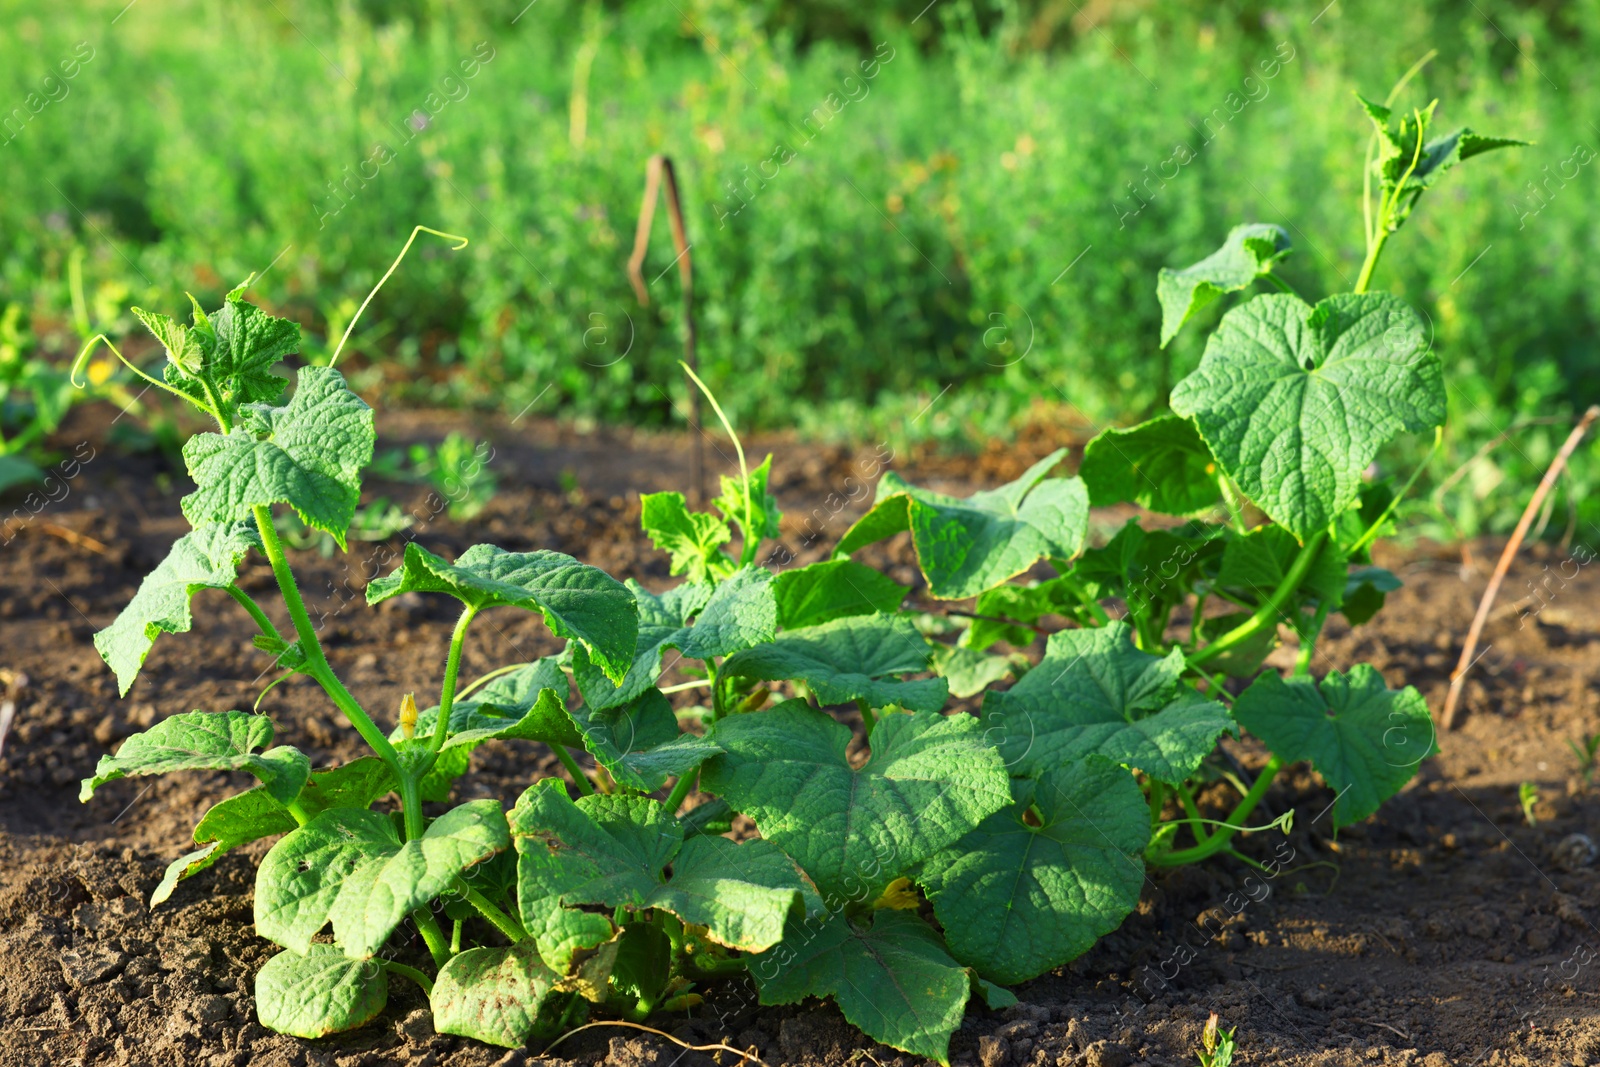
<point>966,239</point>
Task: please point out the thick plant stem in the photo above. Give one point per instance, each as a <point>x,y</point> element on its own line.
<point>1223,834</point>
<point>1267,614</point>
<point>681,790</point>
<point>579,779</point>
<point>1308,640</point>
<point>1371,264</point>
<point>1196,826</point>
<point>432,936</point>
<point>316,662</point>
<point>502,922</point>
<point>452,670</point>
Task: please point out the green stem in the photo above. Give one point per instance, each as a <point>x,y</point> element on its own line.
<point>317,666</point>
<point>478,683</point>
<point>698,683</point>
<point>1219,839</point>
<point>506,924</point>
<point>1235,503</point>
<point>1373,252</point>
<point>248,603</point>
<point>752,538</point>
<point>455,937</point>
<point>1196,823</point>
<point>412,973</point>
<point>1371,533</point>
<point>1283,286</point>
<point>579,779</point>
<point>1158,797</point>
<point>681,790</point>
<point>1267,614</point>
<point>452,669</point>
<point>301,815</point>
<point>868,720</point>
<point>1308,640</point>
<point>428,926</point>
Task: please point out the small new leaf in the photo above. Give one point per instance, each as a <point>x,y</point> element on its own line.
<point>692,537</point>
<point>1248,253</point>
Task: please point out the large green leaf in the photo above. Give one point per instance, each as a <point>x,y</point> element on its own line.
<point>697,620</point>
<point>577,601</point>
<point>206,741</point>
<point>1249,252</point>
<point>615,850</point>
<point>1095,694</point>
<point>892,979</point>
<point>1019,896</point>
<point>492,994</point>
<point>692,537</point>
<point>930,780</point>
<point>1161,465</point>
<point>965,546</point>
<point>1295,401</point>
<point>639,744</point>
<point>207,558</point>
<point>854,658</point>
<point>310,458</point>
<point>1365,739</point>
<point>319,992</point>
<point>834,589</point>
<point>349,867</point>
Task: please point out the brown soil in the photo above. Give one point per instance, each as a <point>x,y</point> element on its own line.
<point>1445,931</point>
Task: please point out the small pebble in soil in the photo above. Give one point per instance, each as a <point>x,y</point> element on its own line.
<point>1574,852</point>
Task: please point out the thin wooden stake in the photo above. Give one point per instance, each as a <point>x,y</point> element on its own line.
<point>1459,678</point>
<point>658,167</point>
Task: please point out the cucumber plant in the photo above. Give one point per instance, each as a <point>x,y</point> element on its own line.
<point>953,854</point>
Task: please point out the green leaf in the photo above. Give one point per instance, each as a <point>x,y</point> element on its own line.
<point>1404,170</point>
<point>492,994</point>
<point>349,867</point>
<point>1365,739</point>
<point>1249,252</point>
<point>183,348</point>
<point>965,546</point>
<point>255,814</point>
<point>526,704</point>
<point>577,601</point>
<point>893,980</point>
<point>834,589</point>
<point>319,992</point>
<point>1161,465</point>
<point>692,537</point>
<point>1365,590</point>
<point>206,741</point>
<point>569,940</point>
<point>207,558</point>
<point>15,470</point>
<point>639,743</point>
<point>1255,564</point>
<point>764,511</point>
<point>930,780</point>
<point>1295,401</point>
<point>1019,897</point>
<point>1024,605</point>
<point>970,673</point>
<point>614,851</point>
<point>1095,694</point>
<point>736,614</point>
<point>854,658</point>
<point>311,458</point>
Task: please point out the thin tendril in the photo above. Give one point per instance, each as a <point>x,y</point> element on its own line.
<point>392,268</point>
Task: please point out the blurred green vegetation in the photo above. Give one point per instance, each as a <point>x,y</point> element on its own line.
<point>964,240</point>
